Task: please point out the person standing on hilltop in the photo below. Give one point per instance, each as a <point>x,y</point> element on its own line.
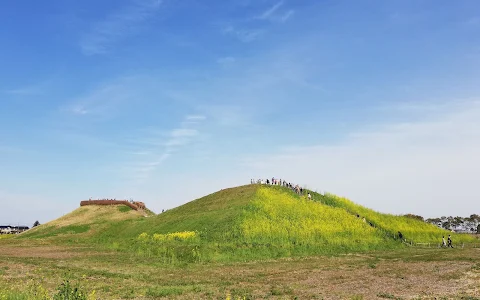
<point>444,244</point>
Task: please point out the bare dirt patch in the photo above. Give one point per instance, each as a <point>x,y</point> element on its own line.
<point>329,280</point>
<point>52,252</point>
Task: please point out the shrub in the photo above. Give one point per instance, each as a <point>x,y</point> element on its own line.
<point>67,291</point>
<point>179,236</point>
<point>124,208</point>
<point>34,290</point>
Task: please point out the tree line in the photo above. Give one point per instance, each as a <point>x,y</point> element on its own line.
<point>459,224</point>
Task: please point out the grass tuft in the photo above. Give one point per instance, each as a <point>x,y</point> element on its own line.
<point>124,208</point>
<point>164,291</point>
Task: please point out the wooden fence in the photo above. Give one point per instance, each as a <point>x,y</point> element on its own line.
<point>439,245</point>
<point>109,202</point>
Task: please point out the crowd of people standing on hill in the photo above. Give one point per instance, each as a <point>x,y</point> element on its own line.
<point>274,181</point>
<point>279,182</point>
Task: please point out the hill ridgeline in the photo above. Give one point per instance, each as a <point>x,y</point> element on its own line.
<point>247,222</point>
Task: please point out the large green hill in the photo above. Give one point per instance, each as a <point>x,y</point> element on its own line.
<point>247,222</point>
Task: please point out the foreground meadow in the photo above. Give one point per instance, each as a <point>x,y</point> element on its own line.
<point>248,242</point>
<point>409,273</point>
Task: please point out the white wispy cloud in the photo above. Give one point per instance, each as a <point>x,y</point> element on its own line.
<point>183,132</point>
<point>286,15</point>
<point>229,115</point>
<point>243,35</point>
<point>225,61</point>
<point>421,166</point>
<point>248,30</point>
<point>41,87</point>
<point>157,147</point>
<point>26,91</point>
<point>271,11</point>
<point>78,110</point>
<point>118,25</point>
<point>104,100</point>
<point>194,118</point>
<point>276,14</point>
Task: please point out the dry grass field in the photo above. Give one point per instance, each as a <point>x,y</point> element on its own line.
<point>401,274</point>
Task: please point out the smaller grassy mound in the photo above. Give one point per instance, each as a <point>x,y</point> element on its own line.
<point>96,214</point>
<point>84,221</point>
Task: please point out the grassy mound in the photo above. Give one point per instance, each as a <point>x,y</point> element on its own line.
<point>253,221</point>
<point>84,222</point>
<point>242,223</point>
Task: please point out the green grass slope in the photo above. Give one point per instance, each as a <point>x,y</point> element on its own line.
<point>212,216</point>
<point>412,230</point>
<point>249,222</point>
<point>254,221</point>
<point>236,214</point>
<point>242,223</point>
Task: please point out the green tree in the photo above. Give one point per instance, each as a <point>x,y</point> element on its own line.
<point>412,216</point>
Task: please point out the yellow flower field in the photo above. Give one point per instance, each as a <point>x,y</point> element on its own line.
<point>175,236</point>
<point>277,217</point>
<point>411,229</point>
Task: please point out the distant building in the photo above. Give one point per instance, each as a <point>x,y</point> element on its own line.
<point>5,229</point>
<point>8,229</point>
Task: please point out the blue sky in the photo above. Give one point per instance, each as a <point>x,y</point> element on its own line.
<point>166,101</point>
